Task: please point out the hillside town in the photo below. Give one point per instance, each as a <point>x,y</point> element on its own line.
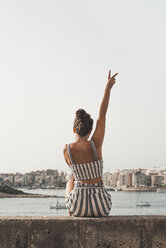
<point>135,178</point>
<point>120,180</point>
<point>36,179</point>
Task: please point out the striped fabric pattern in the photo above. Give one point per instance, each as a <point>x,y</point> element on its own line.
<point>89,170</point>
<point>89,200</point>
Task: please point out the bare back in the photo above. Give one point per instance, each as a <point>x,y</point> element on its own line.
<point>81,153</point>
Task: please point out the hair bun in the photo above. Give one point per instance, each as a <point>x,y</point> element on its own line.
<point>82,114</point>
<point>83,122</point>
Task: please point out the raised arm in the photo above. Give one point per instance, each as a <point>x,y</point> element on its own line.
<point>98,135</point>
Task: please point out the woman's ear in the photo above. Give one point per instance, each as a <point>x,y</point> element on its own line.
<point>74,130</point>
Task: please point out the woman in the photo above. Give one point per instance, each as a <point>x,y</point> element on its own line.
<point>85,192</point>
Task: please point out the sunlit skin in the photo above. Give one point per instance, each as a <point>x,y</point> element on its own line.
<point>81,148</point>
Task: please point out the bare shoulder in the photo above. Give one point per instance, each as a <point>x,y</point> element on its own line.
<point>65,153</point>
<point>65,148</point>
<point>98,146</point>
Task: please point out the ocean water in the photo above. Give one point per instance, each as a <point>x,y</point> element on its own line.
<point>123,203</point>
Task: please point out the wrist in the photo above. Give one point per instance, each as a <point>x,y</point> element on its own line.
<point>108,87</point>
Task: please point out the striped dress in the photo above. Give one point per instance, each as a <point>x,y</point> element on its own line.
<point>91,200</point>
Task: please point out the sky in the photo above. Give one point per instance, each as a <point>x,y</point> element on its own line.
<point>54,59</point>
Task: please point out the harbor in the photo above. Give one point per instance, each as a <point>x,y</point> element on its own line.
<point>123,203</point>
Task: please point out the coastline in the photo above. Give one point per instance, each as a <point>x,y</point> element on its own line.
<point>5,195</point>
<point>143,189</point>
<point>35,195</point>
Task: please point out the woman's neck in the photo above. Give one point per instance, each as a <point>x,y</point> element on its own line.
<point>81,139</point>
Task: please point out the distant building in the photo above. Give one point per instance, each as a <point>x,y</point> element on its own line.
<point>122,180</point>
<point>139,179</point>
<point>107,179</point>
<point>50,172</point>
<point>130,181</point>
<point>157,181</point>
<point>115,179</point>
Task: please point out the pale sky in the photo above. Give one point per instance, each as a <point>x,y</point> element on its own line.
<point>54,59</point>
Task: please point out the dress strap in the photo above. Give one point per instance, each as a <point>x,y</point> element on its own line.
<point>94,149</point>
<point>69,152</point>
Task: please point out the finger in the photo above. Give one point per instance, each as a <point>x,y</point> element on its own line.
<point>109,74</point>
<point>115,75</point>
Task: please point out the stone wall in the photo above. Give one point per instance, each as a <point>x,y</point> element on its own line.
<point>61,232</point>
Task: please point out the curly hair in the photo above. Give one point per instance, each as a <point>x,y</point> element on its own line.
<point>83,122</point>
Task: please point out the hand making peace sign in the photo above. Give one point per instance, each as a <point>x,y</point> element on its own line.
<point>111,80</point>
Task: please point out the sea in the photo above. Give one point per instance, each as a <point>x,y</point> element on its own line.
<point>123,203</point>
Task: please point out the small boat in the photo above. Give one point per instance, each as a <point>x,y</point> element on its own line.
<point>110,189</point>
<point>57,206</point>
<point>143,204</point>
<point>161,190</point>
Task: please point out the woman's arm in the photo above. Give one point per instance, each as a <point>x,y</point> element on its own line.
<point>98,135</point>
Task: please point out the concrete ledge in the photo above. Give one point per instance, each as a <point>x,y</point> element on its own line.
<point>61,232</point>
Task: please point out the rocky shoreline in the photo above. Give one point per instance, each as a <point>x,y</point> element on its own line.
<point>7,191</point>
